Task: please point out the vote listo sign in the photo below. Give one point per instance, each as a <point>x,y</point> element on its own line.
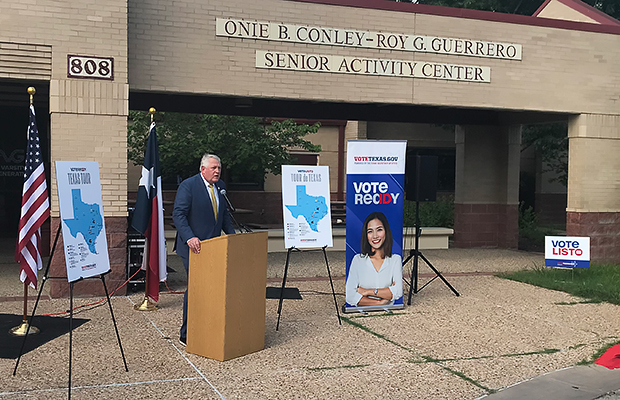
<point>567,252</point>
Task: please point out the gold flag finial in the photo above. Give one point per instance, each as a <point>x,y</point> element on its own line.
<point>152,112</point>
<point>31,92</point>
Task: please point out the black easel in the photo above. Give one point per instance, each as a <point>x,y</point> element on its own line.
<point>44,279</point>
<point>415,254</point>
<point>288,255</point>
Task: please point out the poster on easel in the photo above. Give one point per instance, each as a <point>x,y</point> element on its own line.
<point>81,215</point>
<point>306,206</point>
<point>374,233</point>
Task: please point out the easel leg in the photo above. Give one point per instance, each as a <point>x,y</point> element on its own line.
<point>70,334</point>
<point>332,283</point>
<point>34,309</point>
<point>288,256</point>
<point>114,321</point>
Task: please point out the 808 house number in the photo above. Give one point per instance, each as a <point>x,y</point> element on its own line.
<point>90,67</point>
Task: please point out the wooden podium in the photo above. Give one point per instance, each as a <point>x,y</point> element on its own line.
<point>226,297</point>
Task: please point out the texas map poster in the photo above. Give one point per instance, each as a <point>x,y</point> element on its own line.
<point>375,200</point>
<point>81,213</point>
<point>306,206</point>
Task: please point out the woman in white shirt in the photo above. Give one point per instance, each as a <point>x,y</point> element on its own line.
<point>375,276</point>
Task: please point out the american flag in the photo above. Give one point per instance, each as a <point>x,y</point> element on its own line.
<point>35,208</point>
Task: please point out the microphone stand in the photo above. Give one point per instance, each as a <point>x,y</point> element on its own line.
<point>242,228</point>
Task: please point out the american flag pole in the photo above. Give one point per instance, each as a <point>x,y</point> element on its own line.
<point>35,210</point>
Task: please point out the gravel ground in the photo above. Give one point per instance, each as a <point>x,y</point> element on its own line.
<point>497,333</point>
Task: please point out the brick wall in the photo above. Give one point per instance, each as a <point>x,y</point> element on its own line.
<point>88,117</point>
<point>486,225</point>
<point>603,230</point>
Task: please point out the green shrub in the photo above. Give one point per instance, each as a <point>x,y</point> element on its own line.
<point>438,213</point>
<point>527,217</point>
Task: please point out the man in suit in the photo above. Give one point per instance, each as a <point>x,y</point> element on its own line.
<point>199,213</point>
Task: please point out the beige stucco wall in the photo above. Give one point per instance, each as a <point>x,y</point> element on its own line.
<point>171,47</point>
<point>594,163</point>
<point>487,164</point>
<point>88,117</point>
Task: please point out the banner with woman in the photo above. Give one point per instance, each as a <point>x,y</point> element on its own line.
<point>375,199</point>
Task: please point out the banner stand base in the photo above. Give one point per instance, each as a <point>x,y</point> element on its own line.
<point>365,309</point>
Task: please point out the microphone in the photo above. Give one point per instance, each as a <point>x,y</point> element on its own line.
<point>230,206</point>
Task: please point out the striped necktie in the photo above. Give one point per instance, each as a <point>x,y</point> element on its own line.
<point>214,201</point>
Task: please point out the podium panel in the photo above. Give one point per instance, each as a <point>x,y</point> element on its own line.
<point>226,298</point>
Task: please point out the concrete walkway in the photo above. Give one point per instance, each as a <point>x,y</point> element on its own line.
<point>498,340</point>
<point>572,383</point>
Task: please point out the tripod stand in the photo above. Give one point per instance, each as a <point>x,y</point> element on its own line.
<point>416,254</point>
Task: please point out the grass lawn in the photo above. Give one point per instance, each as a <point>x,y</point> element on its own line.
<point>600,282</point>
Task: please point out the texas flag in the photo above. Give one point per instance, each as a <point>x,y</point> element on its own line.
<point>148,217</point>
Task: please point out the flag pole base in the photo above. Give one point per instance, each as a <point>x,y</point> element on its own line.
<point>22,329</point>
<point>146,305</point>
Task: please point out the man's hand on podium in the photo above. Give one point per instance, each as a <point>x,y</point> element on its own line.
<point>194,245</point>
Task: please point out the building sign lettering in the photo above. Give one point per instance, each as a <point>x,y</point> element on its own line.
<point>371,66</point>
<point>246,29</point>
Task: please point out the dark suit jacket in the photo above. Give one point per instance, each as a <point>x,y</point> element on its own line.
<point>193,214</point>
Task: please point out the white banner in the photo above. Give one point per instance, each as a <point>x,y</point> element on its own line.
<point>83,226</point>
<point>306,206</point>
<point>376,157</point>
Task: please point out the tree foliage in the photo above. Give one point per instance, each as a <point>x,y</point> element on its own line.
<point>523,7</point>
<point>248,147</point>
<point>551,142</point>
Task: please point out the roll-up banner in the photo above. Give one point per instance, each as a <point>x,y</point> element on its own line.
<point>375,199</point>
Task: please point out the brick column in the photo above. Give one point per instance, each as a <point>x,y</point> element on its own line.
<point>487,186</point>
<point>594,183</point>
<point>100,136</point>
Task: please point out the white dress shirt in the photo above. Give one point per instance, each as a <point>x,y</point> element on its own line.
<point>363,274</point>
<point>208,185</point>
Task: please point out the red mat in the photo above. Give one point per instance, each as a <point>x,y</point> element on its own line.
<point>611,358</point>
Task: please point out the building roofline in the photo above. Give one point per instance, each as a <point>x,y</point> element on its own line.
<point>585,9</point>
<point>472,14</point>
